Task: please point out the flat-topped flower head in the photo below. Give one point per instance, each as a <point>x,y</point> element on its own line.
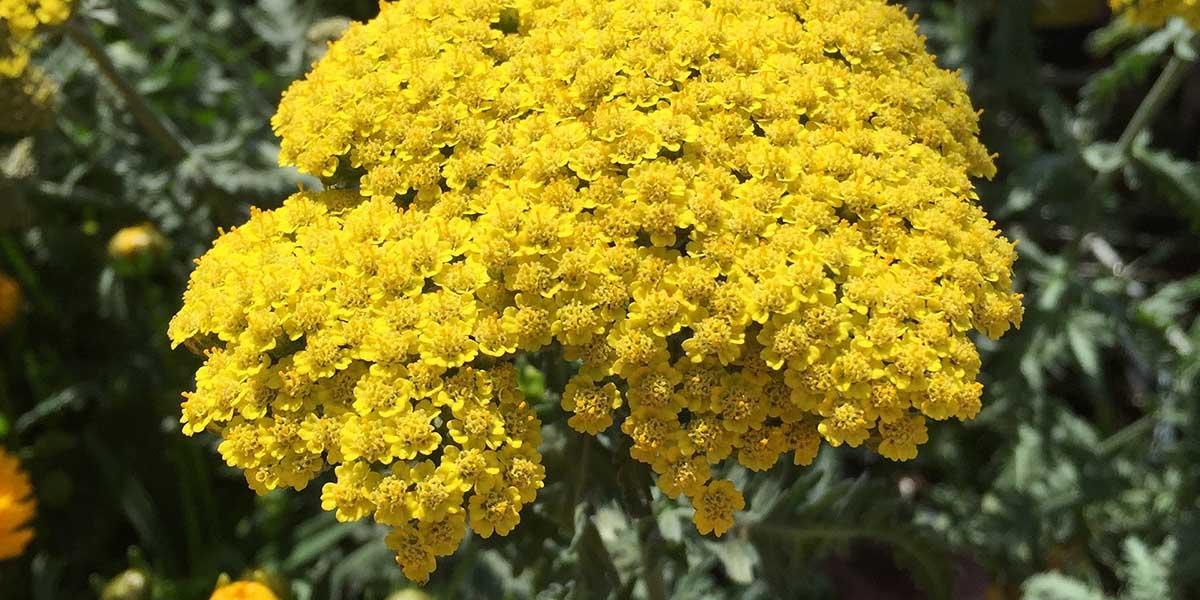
<point>751,223</point>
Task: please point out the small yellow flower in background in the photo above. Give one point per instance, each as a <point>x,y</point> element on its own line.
<point>135,241</point>
<point>243,590</point>
<point>10,301</point>
<point>1153,13</point>
<point>136,249</point>
<point>17,507</point>
<point>751,222</point>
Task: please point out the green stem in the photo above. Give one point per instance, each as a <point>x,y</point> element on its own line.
<point>1160,94</point>
<point>1134,431</point>
<point>638,483</point>
<point>1164,89</point>
<point>652,574</point>
<point>147,117</point>
<point>596,560</point>
<point>580,481</point>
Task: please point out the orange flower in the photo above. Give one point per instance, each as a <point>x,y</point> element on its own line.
<point>17,507</point>
<point>244,590</point>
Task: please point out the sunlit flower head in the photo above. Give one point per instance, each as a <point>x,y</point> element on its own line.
<point>751,225</point>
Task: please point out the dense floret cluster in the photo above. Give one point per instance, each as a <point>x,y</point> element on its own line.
<point>341,335</point>
<point>1154,13</point>
<point>20,20</point>
<point>17,507</point>
<point>749,224</point>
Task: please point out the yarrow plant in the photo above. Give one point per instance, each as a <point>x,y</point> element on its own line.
<point>17,507</point>
<point>1154,13</point>
<point>749,227</point>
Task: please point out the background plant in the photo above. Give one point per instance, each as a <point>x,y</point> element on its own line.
<point>1077,481</point>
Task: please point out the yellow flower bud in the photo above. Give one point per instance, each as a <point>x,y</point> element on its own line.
<point>132,584</point>
<point>135,242</point>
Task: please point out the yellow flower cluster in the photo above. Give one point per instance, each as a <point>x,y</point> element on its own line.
<point>1153,13</point>
<point>10,301</point>
<point>27,101</point>
<point>20,20</point>
<point>17,507</point>
<point>340,333</point>
<point>750,224</point>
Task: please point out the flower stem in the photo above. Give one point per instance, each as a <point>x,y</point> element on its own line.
<point>1160,94</point>
<point>639,494</point>
<point>147,117</point>
<point>1164,89</point>
<point>652,574</point>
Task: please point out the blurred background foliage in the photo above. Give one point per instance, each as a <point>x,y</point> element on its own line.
<point>1078,481</point>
